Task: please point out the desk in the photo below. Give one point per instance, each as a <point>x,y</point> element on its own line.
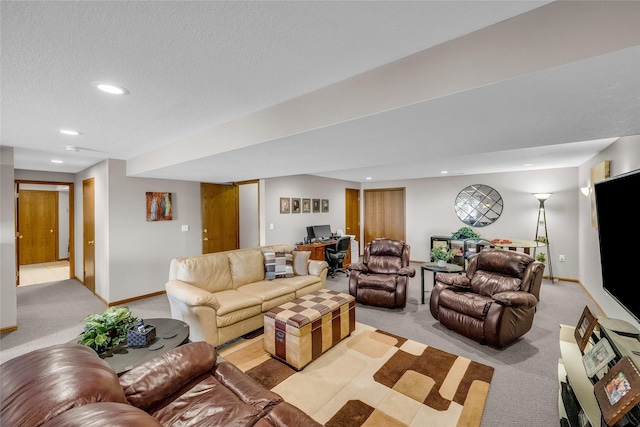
<point>317,251</point>
<point>433,266</point>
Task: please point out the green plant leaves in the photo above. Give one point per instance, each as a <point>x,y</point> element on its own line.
<point>465,233</point>
<point>105,330</point>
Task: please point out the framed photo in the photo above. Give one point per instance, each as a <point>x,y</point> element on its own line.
<point>586,324</point>
<point>598,357</point>
<point>306,205</point>
<point>285,205</point>
<point>159,206</point>
<point>295,205</point>
<point>618,390</point>
<point>325,205</point>
<point>316,205</point>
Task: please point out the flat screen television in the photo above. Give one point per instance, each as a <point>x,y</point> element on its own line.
<point>615,210</point>
<point>322,231</point>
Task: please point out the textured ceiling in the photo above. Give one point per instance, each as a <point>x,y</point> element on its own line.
<point>213,84</point>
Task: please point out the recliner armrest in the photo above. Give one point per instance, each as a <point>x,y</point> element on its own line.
<point>453,279</point>
<point>516,299</point>
<point>191,295</point>
<point>407,271</point>
<point>150,383</point>
<point>358,266</point>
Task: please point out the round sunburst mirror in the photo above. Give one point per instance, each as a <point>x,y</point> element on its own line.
<point>478,205</point>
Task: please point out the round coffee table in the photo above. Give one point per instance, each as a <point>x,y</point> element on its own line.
<point>170,333</point>
<point>433,266</point>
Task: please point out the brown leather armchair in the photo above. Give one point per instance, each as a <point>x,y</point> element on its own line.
<point>494,302</point>
<point>382,277</point>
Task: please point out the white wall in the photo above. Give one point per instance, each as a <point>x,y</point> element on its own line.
<point>624,156</point>
<point>430,211</point>
<point>249,215</point>
<point>292,228</point>
<point>8,308</point>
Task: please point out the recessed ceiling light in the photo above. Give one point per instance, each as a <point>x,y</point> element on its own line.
<point>70,132</point>
<point>112,89</point>
<point>368,178</point>
<point>56,161</point>
<point>72,148</point>
<point>444,172</point>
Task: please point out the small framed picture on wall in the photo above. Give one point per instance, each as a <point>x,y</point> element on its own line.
<point>316,205</point>
<point>306,205</point>
<point>295,205</point>
<point>285,205</point>
<point>325,205</point>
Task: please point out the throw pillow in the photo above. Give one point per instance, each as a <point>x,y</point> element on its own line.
<point>300,259</point>
<point>278,265</point>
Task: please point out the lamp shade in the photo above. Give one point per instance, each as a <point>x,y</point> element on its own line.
<point>542,196</point>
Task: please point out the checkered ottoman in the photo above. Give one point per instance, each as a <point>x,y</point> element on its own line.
<point>300,331</point>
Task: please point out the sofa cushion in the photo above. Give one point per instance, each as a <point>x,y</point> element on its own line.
<point>149,383</point>
<point>277,265</point>
<point>38,386</point>
<point>210,272</point>
<point>247,266</point>
<point>300,261</point>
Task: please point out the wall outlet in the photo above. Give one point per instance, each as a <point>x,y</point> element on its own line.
<point>271,226</point>
<point>561,258</point>
<point>185,227</point>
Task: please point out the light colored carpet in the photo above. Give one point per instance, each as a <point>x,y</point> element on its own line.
<point>373,378</point>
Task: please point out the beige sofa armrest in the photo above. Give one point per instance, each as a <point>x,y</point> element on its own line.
<point>197,307</point>
<point>191,295</point>
<point>317,267</point>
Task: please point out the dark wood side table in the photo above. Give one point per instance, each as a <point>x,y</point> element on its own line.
<point>433,266</point>
<point>171,333</point>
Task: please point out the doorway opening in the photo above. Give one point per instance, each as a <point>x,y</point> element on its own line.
<point>44,227</point>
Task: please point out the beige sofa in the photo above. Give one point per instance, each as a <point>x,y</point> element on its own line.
<point>224,295</point>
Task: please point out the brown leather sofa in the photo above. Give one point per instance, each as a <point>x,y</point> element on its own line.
<point>494,302</point>
<point>69,385</point>
<point>382,277</point>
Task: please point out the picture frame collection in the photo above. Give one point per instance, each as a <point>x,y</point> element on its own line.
<point>294,205</point>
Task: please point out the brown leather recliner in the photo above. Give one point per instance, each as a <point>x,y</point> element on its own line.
<point>382,277</point>
<point>69,385</point>
<point>494,302</point>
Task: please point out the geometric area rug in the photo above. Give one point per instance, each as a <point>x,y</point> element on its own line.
<point>373,378</point>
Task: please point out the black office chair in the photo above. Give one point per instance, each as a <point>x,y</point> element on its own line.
<point>336,254</point>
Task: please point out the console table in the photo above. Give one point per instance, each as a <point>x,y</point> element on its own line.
<point>317,251</point>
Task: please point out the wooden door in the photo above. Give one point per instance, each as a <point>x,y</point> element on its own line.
<point>384,214</point>
<point>88,234</point>
<point>352,213</point>
<point>219,204</point>
<point>37,226</point>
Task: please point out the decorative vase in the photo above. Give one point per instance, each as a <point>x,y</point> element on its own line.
<point>442,263</point>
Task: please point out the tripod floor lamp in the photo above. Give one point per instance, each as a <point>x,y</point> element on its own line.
<point>541,229</point>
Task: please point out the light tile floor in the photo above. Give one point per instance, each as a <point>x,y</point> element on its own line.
<point>34,274</point>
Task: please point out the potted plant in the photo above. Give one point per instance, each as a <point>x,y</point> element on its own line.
<point>442,255</point>
<point>465,233</point>
<point>103,331</point>
<point>541,257</point>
